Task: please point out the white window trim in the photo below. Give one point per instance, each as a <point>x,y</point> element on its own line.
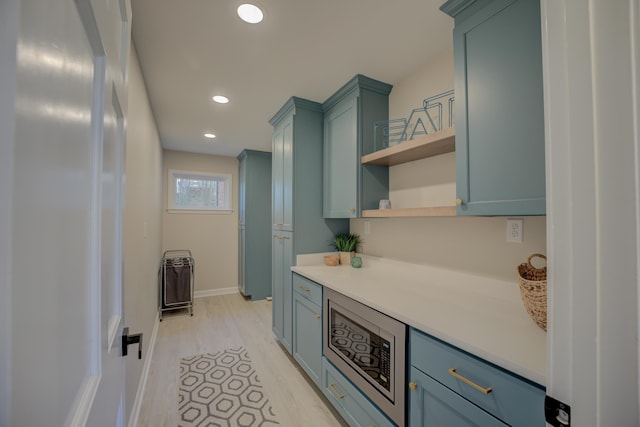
<point>171,194</point>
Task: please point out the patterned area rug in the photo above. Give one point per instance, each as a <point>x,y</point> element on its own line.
<point>222,390</point>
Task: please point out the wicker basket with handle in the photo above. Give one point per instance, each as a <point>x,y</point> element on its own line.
<point>533,290</point>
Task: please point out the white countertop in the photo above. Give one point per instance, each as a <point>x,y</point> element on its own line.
<point>484,316</point>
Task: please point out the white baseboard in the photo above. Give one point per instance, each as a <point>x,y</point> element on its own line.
<point>137,403</point>
<point>215,292</point>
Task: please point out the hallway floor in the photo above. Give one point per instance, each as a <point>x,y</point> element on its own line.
<point>219,323</point>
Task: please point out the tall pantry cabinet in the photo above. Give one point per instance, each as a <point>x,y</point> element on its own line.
<point>298,226</point>
<point>254,224</point>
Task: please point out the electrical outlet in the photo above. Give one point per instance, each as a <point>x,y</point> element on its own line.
<point>367,227</point>
<point>515,228</point>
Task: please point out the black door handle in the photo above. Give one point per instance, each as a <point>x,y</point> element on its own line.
<point>131,339</point>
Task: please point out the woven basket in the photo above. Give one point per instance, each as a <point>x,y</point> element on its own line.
<point>533,290</point>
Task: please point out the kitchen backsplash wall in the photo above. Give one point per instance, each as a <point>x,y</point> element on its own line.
<point>211,237</point>
<point>474,244</point>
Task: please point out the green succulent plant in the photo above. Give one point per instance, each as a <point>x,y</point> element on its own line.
<point>346,242</point>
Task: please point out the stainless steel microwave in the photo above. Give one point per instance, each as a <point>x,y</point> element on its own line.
<point>369,348</point>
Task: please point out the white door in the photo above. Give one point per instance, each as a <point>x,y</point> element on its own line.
<point>66,285</point>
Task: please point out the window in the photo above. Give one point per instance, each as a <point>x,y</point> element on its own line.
<point>199,191</point>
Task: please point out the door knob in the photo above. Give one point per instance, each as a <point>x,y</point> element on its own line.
<point>131,339</point>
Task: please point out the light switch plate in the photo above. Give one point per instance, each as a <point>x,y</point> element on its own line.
<point>515,229</point>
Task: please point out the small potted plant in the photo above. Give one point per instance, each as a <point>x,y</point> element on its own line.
<point>346,244</point>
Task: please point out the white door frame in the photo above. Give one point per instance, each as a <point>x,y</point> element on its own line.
<point>591,80</point>
<point>9,18</point>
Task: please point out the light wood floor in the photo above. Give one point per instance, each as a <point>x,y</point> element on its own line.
<point>219,323</point>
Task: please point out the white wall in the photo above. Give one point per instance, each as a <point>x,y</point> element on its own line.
<point>211,237</point>
<point>432,181</point>
<point>431,79</point>
<point>474,244</point>
<point>142,224</point>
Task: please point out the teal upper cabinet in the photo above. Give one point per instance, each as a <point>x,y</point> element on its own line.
<point>282,175</point>
<point>340,159</point>
<point>500,163</point>
<point>349,115</point>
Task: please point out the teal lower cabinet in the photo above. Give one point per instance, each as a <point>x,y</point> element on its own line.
<point>432,404</point>
<point>450,387</point>
<point>307,326</point>
<point>282,256</point>
<point>354,407</point>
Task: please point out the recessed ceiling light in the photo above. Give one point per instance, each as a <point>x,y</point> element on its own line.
<point>250,13</point>
<point>221,99</point>
<point>209,135</point>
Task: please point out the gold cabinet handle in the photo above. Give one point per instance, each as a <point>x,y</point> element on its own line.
<point>453,373</point>
<point>304,288</point>
<point>317,316</point>
<point>458,202</point>
<point>413,386</point>
<point>335,392</point>
<point>352,210</point>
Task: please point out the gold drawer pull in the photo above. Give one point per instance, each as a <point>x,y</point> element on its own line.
<point>413,386</point>
<point>304,288</point>
<point>335,392</point>
<point>453,373</point>
<point>317,316</point>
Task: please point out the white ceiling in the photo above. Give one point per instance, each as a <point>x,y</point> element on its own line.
<point>190,50</point>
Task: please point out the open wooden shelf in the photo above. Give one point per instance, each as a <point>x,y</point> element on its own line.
<point>420,147</point>
<point>410,212</point>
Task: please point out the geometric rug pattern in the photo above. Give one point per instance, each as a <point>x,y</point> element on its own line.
<point>222,390</point>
